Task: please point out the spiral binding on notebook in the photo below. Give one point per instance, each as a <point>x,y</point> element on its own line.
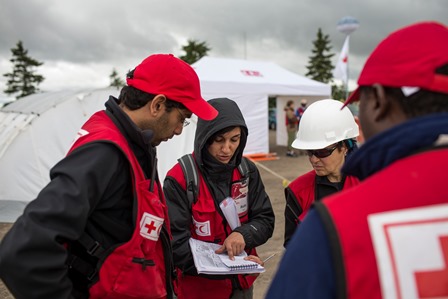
<point>243,266</point>
<point>239,263</point>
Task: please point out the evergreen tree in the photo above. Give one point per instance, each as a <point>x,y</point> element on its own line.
<point>115,80</point>
<point>319,65</point>
<point>338,92</point>
<point>194,50</point>
<point>22,80</point>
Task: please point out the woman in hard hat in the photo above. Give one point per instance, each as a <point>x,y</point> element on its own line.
<point>327,133</point>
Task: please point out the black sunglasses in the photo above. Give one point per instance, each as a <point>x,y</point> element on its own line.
<point>322,153</point>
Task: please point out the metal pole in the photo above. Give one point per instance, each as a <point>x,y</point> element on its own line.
<point>348,68</point>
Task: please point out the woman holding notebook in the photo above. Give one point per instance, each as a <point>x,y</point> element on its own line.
<point>194,189</point>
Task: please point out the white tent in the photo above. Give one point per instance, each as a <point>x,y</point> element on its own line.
<point>250,84</point>
<point>37,131</point>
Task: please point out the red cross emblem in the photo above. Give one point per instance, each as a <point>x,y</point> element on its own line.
<point>434,284</point>
<point>150,226</point>
<point>411,248</point>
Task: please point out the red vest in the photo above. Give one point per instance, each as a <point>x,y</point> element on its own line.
<point>392,231</point>
<point>304,186</point>
<point>135,269</point>
<point>208,226</point>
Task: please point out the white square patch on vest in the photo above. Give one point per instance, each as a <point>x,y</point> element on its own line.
<point>411,249</point>
<point>150,226</point>
<point>202,228</point>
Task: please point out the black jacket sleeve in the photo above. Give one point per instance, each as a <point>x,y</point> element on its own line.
<point>179,210</point>
<point>32,254</point>
<point>292,213</point>
<point>261,222</point>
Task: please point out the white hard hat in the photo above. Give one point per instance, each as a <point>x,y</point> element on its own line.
<point>324,123</point>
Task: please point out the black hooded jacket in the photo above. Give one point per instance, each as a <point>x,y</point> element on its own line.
<point>218,177</point>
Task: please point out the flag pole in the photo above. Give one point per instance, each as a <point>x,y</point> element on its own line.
<point>348,67</point>
<point>347,25</point>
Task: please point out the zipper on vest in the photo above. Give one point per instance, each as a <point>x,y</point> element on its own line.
<point>143,262</point>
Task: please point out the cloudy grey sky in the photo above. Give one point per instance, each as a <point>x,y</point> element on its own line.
<point>81,41</point>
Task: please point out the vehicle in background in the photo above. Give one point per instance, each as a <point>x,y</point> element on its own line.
<point>272,119</point>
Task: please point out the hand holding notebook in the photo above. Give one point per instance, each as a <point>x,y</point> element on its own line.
<point>240,263</point>
<point>208,262</point>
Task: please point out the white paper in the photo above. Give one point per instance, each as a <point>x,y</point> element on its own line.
<point>208,262</point>
<point>228,208</point>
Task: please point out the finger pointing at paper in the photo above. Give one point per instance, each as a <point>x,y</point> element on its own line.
<point>234,244</point>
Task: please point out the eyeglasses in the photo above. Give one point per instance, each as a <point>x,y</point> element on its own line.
<point>182,118</point>
<point>322,153</point>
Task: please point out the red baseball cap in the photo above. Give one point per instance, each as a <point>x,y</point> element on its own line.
<point>174,78</point>
<point>408,57</point>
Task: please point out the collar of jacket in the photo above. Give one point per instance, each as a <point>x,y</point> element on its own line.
<point>396,143</point>
<point>138,136</point>
<point>216,171</point>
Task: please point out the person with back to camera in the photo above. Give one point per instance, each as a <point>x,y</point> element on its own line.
<point>299,113</point>
<point>217,158</point>
<point>327,134</point>
<point>387,236</point>
<point>100,228</point>
<point>291,127</point>
<point>301,109</point>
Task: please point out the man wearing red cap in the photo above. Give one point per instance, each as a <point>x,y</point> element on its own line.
<point>388,236</point>
<point>100,228</point>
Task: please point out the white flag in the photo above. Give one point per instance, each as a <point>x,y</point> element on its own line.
<point>341,69</point>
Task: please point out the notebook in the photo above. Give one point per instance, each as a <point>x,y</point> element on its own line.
<point>208,262</point>
<point>239,263</point>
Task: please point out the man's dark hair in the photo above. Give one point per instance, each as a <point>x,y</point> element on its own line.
<point>421,103</point>
<point>134,99</point>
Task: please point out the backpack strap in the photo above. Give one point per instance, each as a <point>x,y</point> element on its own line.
<point>190,171</point>
<point>93,248</point>
<point>243,168</point>
<point>191,176</point>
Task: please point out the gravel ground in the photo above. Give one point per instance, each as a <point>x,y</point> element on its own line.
<point>273,173</point>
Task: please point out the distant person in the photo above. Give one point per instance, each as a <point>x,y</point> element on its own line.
<point>100,228</point>
<point>301,109</point>
<point>221,172</point>
<point>299,113</point>
<point>388,236</point>
<point>291,127</point>
<point>327,134</point>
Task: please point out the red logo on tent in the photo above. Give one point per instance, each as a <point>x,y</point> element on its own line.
<point>251,73</point>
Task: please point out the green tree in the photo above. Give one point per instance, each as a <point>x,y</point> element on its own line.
<point>319,65</point>
<point>22,80</point>
<point>194,50</point>
<point>115,80</point>
<point>338,92</point>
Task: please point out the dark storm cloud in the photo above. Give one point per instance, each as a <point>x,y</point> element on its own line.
<point>122,33</point>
